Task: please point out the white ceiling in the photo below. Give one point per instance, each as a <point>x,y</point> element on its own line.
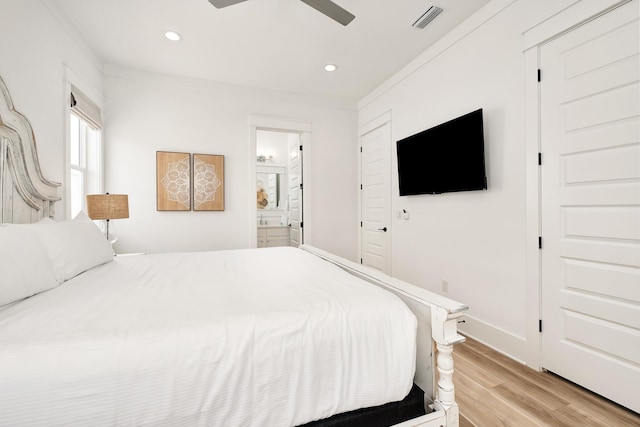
<point>276,44</point>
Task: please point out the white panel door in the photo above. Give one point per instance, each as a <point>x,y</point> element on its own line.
<point>295,190</point>
<point>375,198</point>
<point>590,176</point>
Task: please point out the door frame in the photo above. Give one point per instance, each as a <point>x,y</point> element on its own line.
<point>364,129</point>
<point>534,38</point>
<point>278,124</point>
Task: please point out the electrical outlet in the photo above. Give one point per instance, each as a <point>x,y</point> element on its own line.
<point>445,286</point>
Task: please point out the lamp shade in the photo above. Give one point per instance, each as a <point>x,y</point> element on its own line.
<point>107,206</point>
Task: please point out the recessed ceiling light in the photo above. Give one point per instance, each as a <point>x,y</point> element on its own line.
<point>330,67</point>
<point>172,35</point>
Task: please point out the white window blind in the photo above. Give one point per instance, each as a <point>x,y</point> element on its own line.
<point>85,108</point>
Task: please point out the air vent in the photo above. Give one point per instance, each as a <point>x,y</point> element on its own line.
<point>427,17</point>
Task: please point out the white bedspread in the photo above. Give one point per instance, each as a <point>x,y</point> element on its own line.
<point>267,337</point>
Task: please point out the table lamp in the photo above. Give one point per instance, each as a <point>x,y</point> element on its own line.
<point>107,207</point>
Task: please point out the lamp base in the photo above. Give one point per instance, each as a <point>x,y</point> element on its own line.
<point>109,231</point>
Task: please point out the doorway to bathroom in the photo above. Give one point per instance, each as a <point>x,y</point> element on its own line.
<point>279,188</point>
<point>278,146</point>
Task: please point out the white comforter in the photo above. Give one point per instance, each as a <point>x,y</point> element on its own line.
<point>267,337</point>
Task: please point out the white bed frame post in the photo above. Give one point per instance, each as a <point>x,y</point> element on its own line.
<point>444,333</point>
<point>444,329</point>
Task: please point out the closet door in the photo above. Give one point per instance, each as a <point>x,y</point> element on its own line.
<point>375,198</point>
<point>590,177</point>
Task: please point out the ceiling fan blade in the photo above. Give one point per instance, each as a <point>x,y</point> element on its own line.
<point>331,9</point>
<point>224,3</point>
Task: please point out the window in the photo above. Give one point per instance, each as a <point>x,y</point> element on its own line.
<point>85,151</point>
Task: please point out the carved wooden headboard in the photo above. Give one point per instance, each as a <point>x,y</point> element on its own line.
<point>25,195</point>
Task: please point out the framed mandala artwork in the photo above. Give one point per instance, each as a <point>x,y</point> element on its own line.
<point>173,181</point>
<point>208,182</point>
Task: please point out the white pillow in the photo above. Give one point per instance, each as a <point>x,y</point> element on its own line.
<point>73,246</point>
<point>25,268</point>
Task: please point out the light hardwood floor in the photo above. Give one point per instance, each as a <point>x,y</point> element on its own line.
<point>494,390</point>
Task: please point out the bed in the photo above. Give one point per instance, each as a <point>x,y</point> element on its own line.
<point>254,337</point>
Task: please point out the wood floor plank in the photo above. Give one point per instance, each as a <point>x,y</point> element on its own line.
<point>494,390</point>
<point>572,415</point>
<point>526,399</point>
<point>596,406</point>
<point>495,363</point>
<point>464,422</point>
<point>483,377</point>
<point>488,408</point>
<point>523,376</point>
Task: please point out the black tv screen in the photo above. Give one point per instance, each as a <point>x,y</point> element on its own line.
<point>446,158</point>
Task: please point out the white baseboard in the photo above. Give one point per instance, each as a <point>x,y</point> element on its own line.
<point>502,341</point>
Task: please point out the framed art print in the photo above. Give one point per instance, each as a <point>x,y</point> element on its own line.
<point>208,182</point>
<point>173,181</point>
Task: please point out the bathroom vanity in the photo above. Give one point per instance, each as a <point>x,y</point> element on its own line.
<point>270,236</point>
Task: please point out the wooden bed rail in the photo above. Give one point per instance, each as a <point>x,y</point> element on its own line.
<point>443,321</point>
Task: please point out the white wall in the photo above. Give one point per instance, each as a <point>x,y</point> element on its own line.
<point>474,240</point>
<point>148,112</point>
<point>274,144</point>
<point>35,48</point>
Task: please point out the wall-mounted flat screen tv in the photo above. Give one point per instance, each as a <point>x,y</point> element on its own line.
<point>445,158</point>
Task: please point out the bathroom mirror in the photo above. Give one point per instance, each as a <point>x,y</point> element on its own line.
<point>271,188</point>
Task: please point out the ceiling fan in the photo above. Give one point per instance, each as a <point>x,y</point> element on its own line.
<point>326,7</point>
